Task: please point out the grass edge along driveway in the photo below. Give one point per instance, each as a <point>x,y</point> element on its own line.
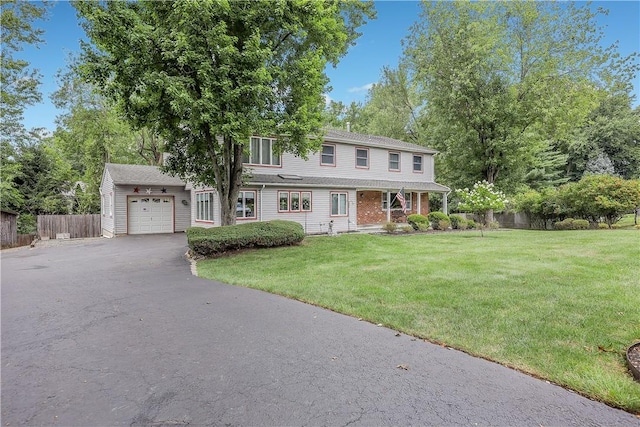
<point>563,306</point>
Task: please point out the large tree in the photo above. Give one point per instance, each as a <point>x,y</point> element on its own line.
<point>90,133</point>
<point>18,82</point>
<point>208,75</point>
<point>504,81</point>
<point>393,107</point>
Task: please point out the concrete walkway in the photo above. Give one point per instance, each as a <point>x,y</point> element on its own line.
<point>118,332</point>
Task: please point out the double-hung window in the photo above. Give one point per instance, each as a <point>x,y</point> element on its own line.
<point>246,205</point>
<point>328,155</point>
<point>204,206</point>
<point>262,151</point>
<point>294,201</point>
<point>339,204</point>
<point>394,161</point>
<point>395,203</point>
<point>362,158</point>
<point>417,163</point>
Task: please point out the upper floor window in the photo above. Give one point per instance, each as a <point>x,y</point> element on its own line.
<point>394,161</point>
<point>417,163</point>
<point>262,152</point>
<point>204,206</point>
<point>328,155</point>
<point>362,158</point>
<point>246,205</point>
<point>395,203</point>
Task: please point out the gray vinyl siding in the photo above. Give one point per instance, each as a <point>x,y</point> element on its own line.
<point>181,213</point>
<point>314,222</point>
<point>345,165</point>
<point>107,189</point>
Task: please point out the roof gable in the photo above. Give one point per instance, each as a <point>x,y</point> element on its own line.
<point>141,175</point>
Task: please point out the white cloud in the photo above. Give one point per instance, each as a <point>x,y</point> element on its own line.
<point>327,99</point>
<point>364,88</point>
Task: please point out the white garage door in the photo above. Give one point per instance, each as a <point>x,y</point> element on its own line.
<point>150,214</point>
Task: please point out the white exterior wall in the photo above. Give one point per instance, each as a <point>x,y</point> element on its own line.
<point>107,192</point>
<point>346,165</point>
<point>181,214</point>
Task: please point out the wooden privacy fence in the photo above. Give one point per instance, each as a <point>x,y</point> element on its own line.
<point>76,226</point>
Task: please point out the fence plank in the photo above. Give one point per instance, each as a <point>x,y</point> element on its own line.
<point>77,226</point>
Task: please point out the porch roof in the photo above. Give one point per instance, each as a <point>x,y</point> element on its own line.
<point>350,183</point>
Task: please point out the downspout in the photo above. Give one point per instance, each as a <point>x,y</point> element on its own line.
<point>261,194</point>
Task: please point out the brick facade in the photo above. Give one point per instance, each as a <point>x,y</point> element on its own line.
<point>370,210</point>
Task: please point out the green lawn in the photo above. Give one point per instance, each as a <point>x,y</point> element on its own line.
<point>560,305</point>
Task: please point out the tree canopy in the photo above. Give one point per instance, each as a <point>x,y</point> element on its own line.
<point>208,75</point>
<point>503,82</point>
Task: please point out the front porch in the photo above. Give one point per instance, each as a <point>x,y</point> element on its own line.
<point>379,206</point>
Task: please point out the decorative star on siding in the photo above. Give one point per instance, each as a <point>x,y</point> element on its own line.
<point>148,191</point>
<point>136,190</point>
<point>164,190</point>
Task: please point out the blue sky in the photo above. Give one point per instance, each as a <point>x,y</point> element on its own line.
<point>379,45</point>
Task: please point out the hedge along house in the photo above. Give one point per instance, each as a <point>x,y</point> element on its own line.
<point>138,199</point>
<point>349,184</point>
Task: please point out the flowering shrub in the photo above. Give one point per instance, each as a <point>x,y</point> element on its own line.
<point>482,198</point>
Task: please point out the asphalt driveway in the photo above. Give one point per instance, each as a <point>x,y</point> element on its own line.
<point>118,332</point>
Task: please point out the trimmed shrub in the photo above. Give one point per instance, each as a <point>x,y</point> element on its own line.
<point>603,226</point>
<point>418,222</point>
<point>471,224</point>
<point>218,240</point>
<point>458,222</point>
<point>565,224</point>
<point>580,224</point>
<point>390,227</point>
<point>436,217</point>
<point>444,224</point>
<point>406,229</point>
<point>494,225</point>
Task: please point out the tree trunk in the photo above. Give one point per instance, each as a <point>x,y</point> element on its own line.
<point>229,181</point>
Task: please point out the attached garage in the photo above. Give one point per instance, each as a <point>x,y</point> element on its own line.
<point>150,215</point>
<point>139,199</point>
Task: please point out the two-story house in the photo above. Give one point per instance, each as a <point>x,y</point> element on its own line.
<point>349,184</point>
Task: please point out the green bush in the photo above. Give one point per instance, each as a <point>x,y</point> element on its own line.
<point>406,229</point>
<point>602,225</point>
<point>458,222</point>
<point>580,224</point>
<point>436,217</point>
<point>494,225</point>
<point>418,222</point>
<point>218,240</point>
<point>444,224</point>
<point>471,224</point>
<point>390,227</point>
<point>565,224</point>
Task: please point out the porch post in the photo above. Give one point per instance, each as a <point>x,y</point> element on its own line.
<point>445,208</point>
<point>419,211</point>
<point>388,206</point>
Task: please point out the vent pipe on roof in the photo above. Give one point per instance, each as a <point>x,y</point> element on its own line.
<point>348,126</point>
